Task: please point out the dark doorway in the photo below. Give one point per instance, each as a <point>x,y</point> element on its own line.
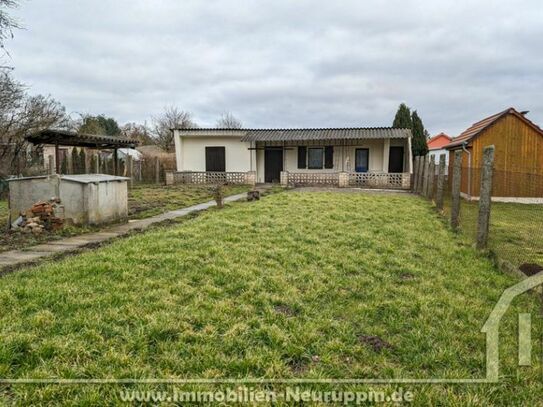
<point>273,165</point>
<point>362,159</point>
<point>215,160</point>
<point>395,159</point>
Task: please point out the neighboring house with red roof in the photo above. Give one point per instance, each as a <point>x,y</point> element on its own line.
<point>518,158</point>
<point>436,146</point>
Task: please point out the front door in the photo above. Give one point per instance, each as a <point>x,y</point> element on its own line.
<point>273,165</point>
<point>395,159</point>
<point>362,159</point>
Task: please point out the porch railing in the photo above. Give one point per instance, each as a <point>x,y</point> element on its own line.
<point>313,179</point>
<point>210,177</point>
<point>380,180</point>
<point>297,179</point>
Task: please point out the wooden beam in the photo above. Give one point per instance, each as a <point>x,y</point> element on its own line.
<point>115,162</point>
<point>57,159</point>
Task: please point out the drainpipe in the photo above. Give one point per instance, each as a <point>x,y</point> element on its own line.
<point>464,144</point>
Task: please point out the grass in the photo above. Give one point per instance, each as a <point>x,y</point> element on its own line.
<point>3,214</point>
<point>516,230</point>
<point>291,286</point>
<point>143,201</point>
<point>151,199</point>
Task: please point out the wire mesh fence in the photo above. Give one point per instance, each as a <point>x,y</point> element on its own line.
<point>515,234</point>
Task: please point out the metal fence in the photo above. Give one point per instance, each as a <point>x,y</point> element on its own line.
<point>513,209</point>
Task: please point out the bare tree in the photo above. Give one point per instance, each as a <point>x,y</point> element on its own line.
<point>138,132</point>
<point>20,115</point>
<point>229,121</point>
<point>7,25</point>
<point>172,118</point>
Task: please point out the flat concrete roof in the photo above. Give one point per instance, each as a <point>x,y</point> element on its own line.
<point>93,178</point>
<point>81,178</point>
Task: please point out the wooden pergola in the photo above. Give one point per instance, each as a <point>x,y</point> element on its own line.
<point>73,139</point>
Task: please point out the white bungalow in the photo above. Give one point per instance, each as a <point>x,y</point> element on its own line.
<point>366,157</point>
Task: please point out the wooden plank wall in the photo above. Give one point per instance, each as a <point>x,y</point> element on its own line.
<point>518,164</point>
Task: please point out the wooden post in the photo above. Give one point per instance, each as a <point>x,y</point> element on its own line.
<point>420,175</point>
<point>440,182</point>
<point>86,161</point>
<point>422,171</point>
<point>157,170</point>
<point>130,168</point>
<point>50,165</point>
<point>57,158</point>
<point>416,174</point>
<point>485,198</point>
<point>431,177</point>
<point>97,163</point>
<point>115,162</point>
<point>424,190</point>
<point>69,164</point>
<point>455,193</point>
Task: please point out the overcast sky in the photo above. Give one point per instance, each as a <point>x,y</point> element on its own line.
<point>285,63</point>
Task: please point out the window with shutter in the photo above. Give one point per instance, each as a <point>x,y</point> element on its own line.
<point>315,158</point>
<point>302,157</point>
<point>329,157</point>
<point>215,159</point>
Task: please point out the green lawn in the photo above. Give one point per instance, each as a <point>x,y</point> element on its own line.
<point>291,286</point>
<point>516,230</point>
<point>151,199</point>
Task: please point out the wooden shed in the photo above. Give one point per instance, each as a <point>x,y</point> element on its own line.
<point>518,161</point>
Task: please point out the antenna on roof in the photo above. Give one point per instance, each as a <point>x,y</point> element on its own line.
<point>524,112</point>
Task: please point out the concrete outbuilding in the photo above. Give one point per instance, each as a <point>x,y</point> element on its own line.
<point>86,199</point>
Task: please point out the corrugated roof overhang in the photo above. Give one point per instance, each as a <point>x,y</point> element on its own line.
<point>72,139</point>
<point>325,134</point>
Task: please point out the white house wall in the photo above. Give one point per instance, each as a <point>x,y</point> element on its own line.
<point>377,160</point>
<point>437,153</point>
<point>191,153</point>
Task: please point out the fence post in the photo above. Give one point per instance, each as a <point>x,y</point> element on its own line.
<point>430,183</point>
<point>419,177</point>
<point>170,178</point>
<point>415,174</point>
<point>70,164</point>
<point>455,193</point>
<point>426,176</point>
<point>485,198</point>
<point>422,176</point>
<point>51,165</point>
<point>157,170</point>
<point>440,182</point>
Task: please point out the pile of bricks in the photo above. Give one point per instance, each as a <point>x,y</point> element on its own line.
<point>40,217</point>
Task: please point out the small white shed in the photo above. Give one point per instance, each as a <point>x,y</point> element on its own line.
<point>87,199</point>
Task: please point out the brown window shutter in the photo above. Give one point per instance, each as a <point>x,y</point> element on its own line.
<point>329,157</point>
<point>302,157</point>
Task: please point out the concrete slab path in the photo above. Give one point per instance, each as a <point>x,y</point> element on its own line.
<point>16,258</point>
